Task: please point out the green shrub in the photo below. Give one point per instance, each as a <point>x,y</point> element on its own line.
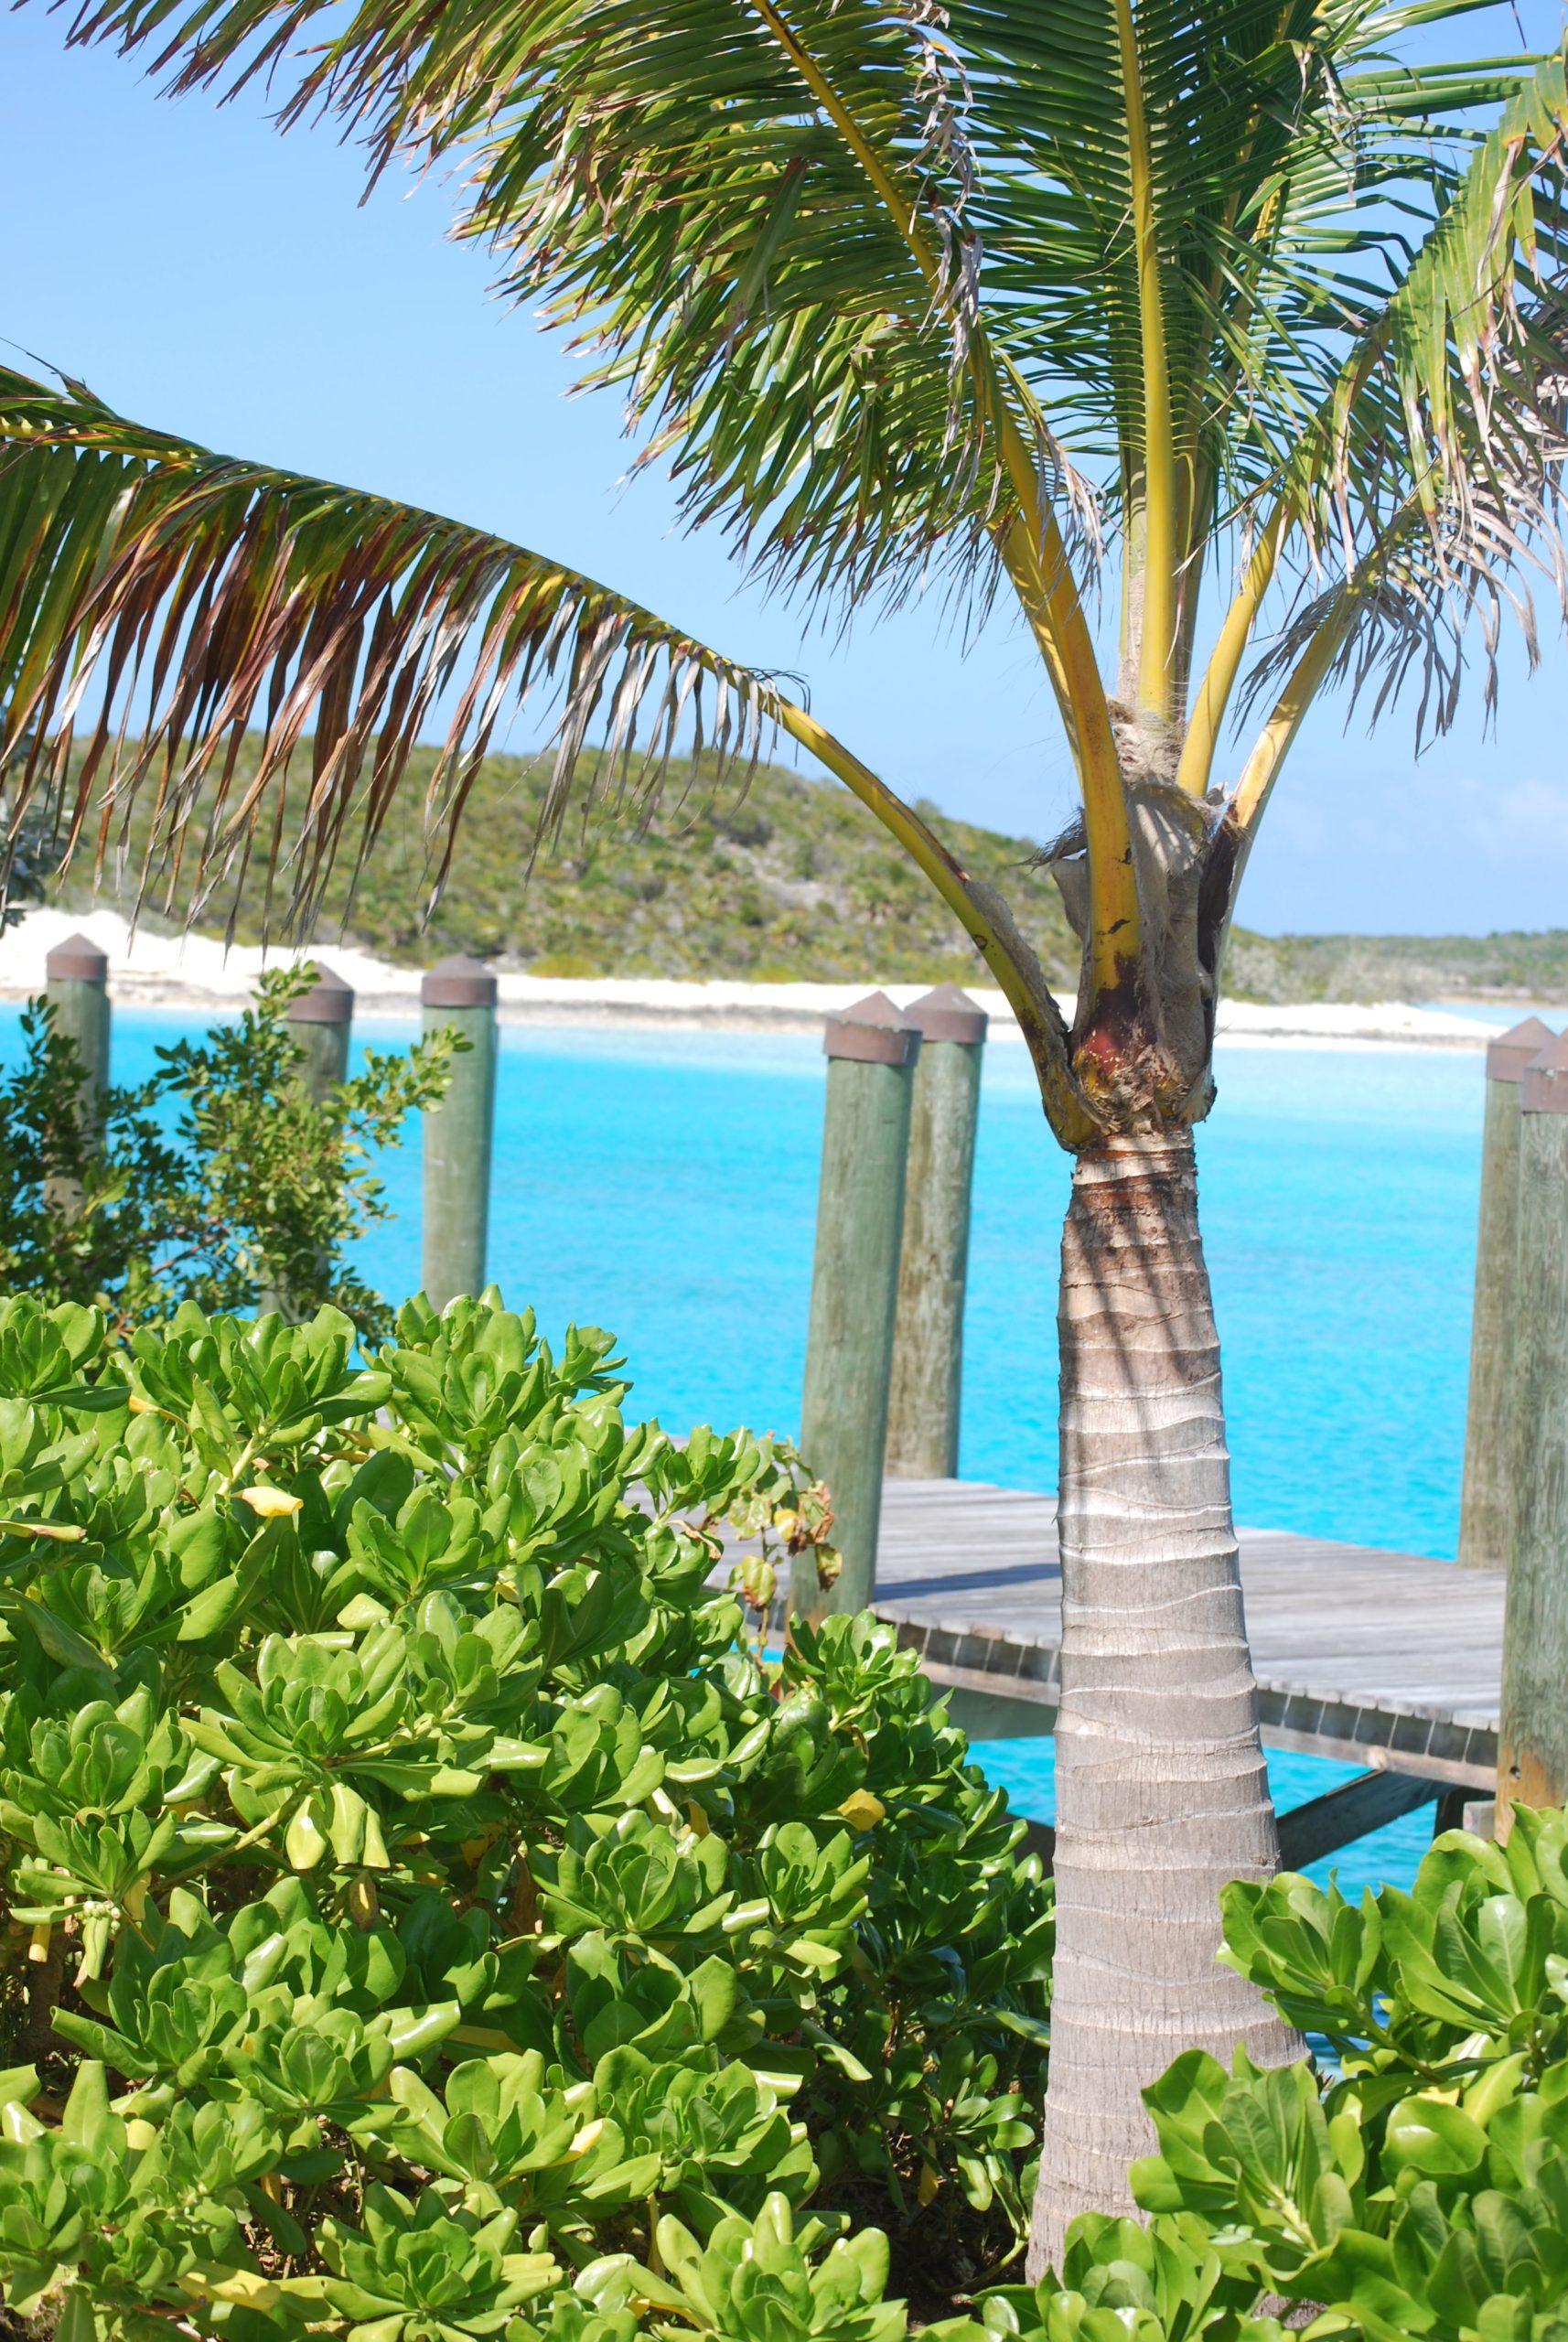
<point>1421,2190</point>
<point>216,1181</point>
<point>430,1915</point>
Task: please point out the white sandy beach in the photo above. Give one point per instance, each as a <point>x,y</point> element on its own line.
<point>196,972</point>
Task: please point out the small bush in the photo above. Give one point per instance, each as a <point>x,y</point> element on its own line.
<point>216,1181</point>
<point>429,1915</point>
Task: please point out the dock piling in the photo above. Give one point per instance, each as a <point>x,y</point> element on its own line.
<point>319,1023</point>
<point>460,995</point>
<point>1533,1741</point>
<point>1484,1499</point>
<point>933,1271</point>
<point>321,1020</point>
<point>76,985</point>
<point>871,1051</point>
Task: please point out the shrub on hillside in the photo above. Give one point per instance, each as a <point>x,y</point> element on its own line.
<point>430,1915</point>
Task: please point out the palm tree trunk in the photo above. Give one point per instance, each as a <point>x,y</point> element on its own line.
<point>1161,1794</point>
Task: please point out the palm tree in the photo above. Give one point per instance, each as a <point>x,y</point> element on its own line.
<point>976,293</point>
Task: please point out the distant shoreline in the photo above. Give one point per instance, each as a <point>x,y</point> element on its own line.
<point>194,972</point>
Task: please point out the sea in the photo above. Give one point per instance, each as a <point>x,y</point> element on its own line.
<point>662,1184</point>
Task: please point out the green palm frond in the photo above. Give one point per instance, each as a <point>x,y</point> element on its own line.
<point>1285,182</point>
<point>144,580</point>
<point>1430,479</point>
<point>1477,343</point>
<point>661,172</point>
<point>1441,422</point>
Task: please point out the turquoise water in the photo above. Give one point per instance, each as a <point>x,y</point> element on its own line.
<point>665,1185</point>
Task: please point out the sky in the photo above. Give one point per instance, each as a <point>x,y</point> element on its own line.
<point>207,276</point>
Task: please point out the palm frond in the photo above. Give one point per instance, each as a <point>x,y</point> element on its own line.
<point>1429,480</point>
<point>163,609</point>
<point>1475,326</point>
<point>663,174</point>
<point>146,584</point>
<point>1403,619</point>
<point>666,174</point>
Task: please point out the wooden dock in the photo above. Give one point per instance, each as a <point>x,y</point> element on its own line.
<point>1378,1659</point>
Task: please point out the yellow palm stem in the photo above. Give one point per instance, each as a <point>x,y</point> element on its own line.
<point>1196,770</point>
<point>1116,926</point>
<point>1021,471</point>
<point>922,846</point>
<point>986,919</point>
<point>1272,745</point>
<point>1036,559</point>
<point>1162,554</point>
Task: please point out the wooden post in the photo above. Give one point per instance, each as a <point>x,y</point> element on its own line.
<point>76,980</point>
<point>459,994</point>
<point>321,1018</point>
<point>871,1051</point>
<point>1532,1737</point>
<point>76,984</point>
<point>933,1270</point>
<point>319,1021</point>
<point>1484,1499</point>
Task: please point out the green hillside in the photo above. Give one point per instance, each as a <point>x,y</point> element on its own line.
<point>786,879</point>
<point>1399,967</point>
<point>789,879</point>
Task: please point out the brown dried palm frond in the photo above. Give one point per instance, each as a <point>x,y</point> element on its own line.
<point>151,588</point>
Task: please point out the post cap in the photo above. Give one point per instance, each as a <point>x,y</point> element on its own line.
<point>329,1000</point>
<point>1545,1087</point>
<point>948,1014</point>
<point>1508,1056</point>
<point>458,983</point>
<point>873,1032</point>
<point>77,961</point>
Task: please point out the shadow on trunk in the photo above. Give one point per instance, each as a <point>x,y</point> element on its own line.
<point>1162,1788</point>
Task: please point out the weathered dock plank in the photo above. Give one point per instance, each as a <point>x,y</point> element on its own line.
<point>1383,1660</point>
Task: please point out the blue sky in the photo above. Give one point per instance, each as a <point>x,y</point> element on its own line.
<point>207,275</point>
